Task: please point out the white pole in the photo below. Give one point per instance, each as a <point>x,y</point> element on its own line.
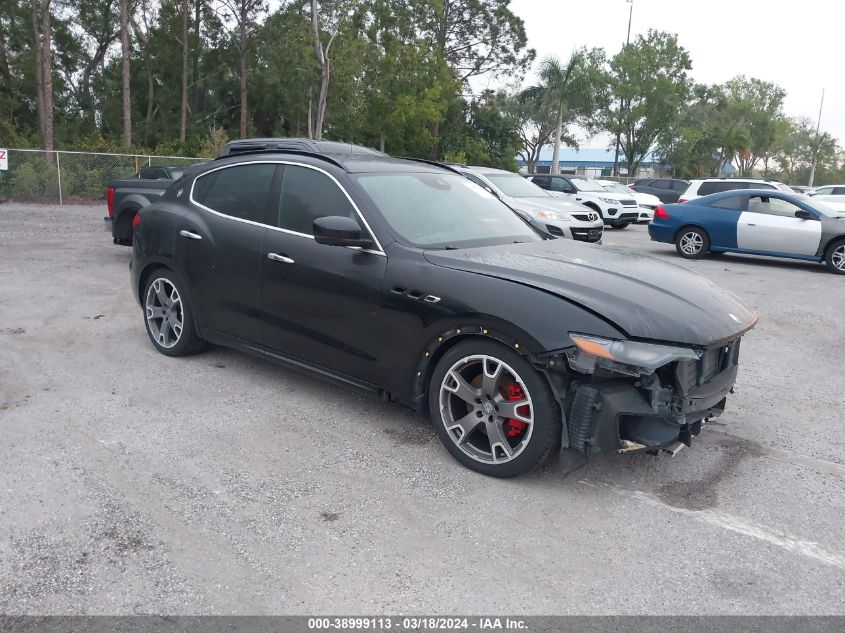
<point>816,150</point>
<point>59,171</point>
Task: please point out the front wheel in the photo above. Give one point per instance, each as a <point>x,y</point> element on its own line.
<point>167,315</point>
<point>692,243</point>
<point>492,410</point>
<point>836,257</point>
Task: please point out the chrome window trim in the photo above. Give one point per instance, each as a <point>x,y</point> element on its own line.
<point>379,251</point>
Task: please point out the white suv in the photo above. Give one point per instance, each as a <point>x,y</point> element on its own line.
<point>616,209</point>
<point>706,186</point>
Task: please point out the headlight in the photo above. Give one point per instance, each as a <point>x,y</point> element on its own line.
<point>609,200</point>
<point>649,356</point>
<point>551,215</point>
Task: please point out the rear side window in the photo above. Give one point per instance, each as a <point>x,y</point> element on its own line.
<point>542,181</point>
<point>308,194</point>
<point>706,188</point>
<point>661,184</point>
<point>680,185</point>
<point>240,191</point>
<point>733,203</point>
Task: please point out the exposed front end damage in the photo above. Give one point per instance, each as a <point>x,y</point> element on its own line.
<point>613,406</point>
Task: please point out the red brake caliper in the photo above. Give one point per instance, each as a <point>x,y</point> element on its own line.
<point>514,427</point>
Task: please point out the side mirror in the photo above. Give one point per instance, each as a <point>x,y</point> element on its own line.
<point>811,193</point>
<point>804,214</point>
<point>336,230</point>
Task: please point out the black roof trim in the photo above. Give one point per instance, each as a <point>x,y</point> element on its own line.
<point>432,162</point>
<point>295,152</point>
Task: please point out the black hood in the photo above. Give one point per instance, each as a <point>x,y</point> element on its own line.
<point>646,298</point>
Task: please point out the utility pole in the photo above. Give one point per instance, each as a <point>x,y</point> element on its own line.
<point>621,104</point>
<point>816,149</point>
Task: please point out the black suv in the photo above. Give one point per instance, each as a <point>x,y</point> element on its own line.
<point>405,279</point>
<point>667,189</point>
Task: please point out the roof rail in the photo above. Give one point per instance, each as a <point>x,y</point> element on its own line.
<point>432,162</point>
<point>275,150</point>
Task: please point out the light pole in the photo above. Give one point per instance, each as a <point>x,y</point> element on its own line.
<point>816,149</point>
<point>621,103</point>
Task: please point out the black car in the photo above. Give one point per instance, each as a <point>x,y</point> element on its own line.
<point>404,279</point>
<point>667,189</point>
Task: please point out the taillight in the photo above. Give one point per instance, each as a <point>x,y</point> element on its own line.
<point>110,201</point>
<point>136,220</point>
<point>681,200</point>
<point>660,212</point>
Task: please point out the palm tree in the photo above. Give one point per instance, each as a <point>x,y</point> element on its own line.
<point>557,85</point>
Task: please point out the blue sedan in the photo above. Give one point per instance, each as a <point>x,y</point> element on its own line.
<point>758,222</point>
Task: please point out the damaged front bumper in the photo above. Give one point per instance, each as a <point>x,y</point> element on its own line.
<point>611,408</point>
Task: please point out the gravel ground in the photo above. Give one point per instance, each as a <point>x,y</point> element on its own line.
<point>131,483</point>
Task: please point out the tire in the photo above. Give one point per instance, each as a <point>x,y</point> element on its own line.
<point>168,317</point>
<point>835,258</point>
<point>620,225</point>
<point>512,379</point>
<point>692,242</point>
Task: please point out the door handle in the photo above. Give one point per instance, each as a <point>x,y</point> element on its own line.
<point>750,224</point>
<point>279,258</point>
<point>190,236</point>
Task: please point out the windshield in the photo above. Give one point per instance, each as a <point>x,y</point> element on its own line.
<point>615,187</point>
<point>434,210</point>
<point>824,209</point>
<point>515,186</point>
<point>586,185</point>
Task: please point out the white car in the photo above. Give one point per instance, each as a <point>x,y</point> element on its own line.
<point>648,203</point>
<point>832,195</point>
<point>550,215</point>
<point>706,186</point>
<point>616,209</point>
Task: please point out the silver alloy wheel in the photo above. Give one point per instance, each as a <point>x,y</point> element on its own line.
<point>838,258</point>
<point>692,243</point>
<point>479,414</point>
<point>163,308</point>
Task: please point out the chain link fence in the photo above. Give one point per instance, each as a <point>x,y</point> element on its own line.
<point>71,177</point>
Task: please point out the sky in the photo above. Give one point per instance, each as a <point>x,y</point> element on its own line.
<point>800,45</point>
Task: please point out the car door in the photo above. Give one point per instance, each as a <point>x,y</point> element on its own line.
<point>220,247</point>
<point>722,221</point>
<point>769,225</point>
<point>321,304</point>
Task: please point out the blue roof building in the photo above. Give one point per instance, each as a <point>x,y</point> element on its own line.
<point>588,161</point>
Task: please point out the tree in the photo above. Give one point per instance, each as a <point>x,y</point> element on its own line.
<point>475,37</point>
<point>125,73</point>
<point>755,106</point>
<point>325,71</point>
<point>573,90</point>
<point>244,13</point>
<point>534,122</point>
<point>649,86</point>
<point>183,106</point>
<point>42,32</point>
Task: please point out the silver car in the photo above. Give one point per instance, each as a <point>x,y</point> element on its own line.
<point>551,215</point>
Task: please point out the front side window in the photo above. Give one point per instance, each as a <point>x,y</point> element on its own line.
<point>543,182</point>
<point>772,206</point>
<point>308,194</point>
<point>562,185</point>
<point>240,191</point>
<point>442,210</point>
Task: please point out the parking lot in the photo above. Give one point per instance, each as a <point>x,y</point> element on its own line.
<point>131,483</point>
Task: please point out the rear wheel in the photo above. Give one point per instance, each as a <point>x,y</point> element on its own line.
<point>836,257</point>
<point>167,315</point>
<point>692,243</point>
<point>492,410</point>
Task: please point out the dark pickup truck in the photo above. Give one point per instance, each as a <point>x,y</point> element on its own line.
<point>126,197</point>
